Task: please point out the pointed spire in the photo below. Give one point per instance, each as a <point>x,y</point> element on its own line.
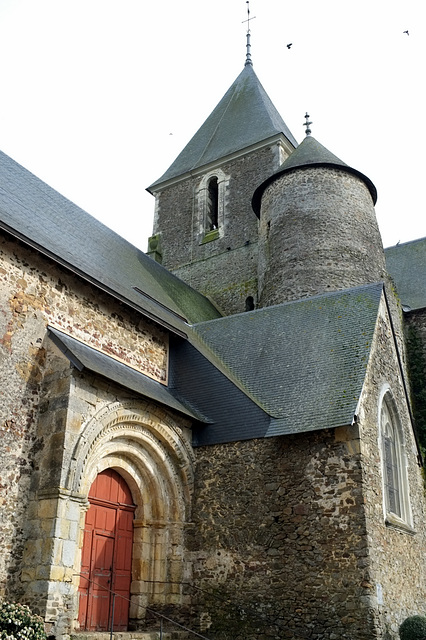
<point>244,117</point>
<point>248,45</point>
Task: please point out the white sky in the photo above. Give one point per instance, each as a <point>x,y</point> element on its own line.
<point>98,97</point>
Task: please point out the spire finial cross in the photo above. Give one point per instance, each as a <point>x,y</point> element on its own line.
<point>248,46</point>
<point>307,124</point>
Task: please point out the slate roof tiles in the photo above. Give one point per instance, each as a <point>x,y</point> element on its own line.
<point>44,219</point>
<point>304,362</point>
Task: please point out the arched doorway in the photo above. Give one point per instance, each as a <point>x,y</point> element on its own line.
<point>106,559</point>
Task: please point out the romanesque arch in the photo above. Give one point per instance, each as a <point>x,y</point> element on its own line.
<point>152,453</point>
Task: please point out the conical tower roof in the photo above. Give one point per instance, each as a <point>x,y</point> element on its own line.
<point>245,116</point>
<point>310,153</point>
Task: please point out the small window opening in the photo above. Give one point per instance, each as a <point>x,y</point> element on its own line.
<point>249,303</point>
<point>212,219</point>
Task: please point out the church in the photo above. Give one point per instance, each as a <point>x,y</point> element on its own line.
<point>224,432</point>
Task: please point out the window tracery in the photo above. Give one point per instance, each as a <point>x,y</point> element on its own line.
<point>394,465</point>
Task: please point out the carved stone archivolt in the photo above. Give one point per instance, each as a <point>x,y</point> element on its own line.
<point>152,452</point>
<point>148,447</point>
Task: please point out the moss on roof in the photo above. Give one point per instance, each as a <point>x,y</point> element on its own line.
<point>406,264</point>
<point>43,218</point>
<point>304,362</point>
<point>245,116</point>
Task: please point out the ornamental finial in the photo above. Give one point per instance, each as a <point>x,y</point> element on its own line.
<point>307,124</point>
<point>248,45</point>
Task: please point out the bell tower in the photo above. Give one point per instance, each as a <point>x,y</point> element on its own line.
<point>205,230</point>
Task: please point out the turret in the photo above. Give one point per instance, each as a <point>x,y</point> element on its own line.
<point>318,229</point>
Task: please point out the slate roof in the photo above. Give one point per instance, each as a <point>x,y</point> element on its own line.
<point>245,116</point>
<point>310,153</point>
<point>83,357</point>
<point>45,220</point>
<point>406,264</point>
<point>303,363</point>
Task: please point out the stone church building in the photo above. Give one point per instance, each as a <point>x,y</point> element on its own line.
<point>222,430</point>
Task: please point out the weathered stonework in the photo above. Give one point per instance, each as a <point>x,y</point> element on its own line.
<point>151,451</point>
<point>290,533</point>
<point>224,269</point>
<point>397,577</point>
<point>318,233</point>
<point>286,537</point>
<point>280,531</point>
<point>60,428</point>
<point>35,294</point>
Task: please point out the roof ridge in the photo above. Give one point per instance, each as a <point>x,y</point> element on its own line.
<point>206,146</point>
<point>327,294</point>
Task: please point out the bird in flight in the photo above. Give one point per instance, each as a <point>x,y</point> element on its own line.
<point>406,33</point>
<point>289,45</point>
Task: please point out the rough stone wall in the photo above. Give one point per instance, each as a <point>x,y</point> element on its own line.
<point>290,538</point>
<point>279,540</point>
<point>318,233</point>
<point>33,294</point>
<point>228,279</point>
<point>87,424</point>
<point>225,269</point>
<point>396,555</point>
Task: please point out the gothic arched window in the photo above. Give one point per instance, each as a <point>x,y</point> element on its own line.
<point>394,465</point>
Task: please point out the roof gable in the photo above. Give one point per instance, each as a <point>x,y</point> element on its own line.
<point>245,116</point>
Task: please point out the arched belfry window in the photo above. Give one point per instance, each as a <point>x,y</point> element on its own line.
<point>212,208</point>
<point>211,205</point>
<point>394,465</point>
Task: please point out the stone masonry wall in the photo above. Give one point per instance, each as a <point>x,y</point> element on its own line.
<point>279,540</point>
<point>35,293</point>
<point>85,425</point>
<point>225,268</point>
<point>396,554</point>
<point>416,341</point>
<point>318,233</point>
<point>290,538</point>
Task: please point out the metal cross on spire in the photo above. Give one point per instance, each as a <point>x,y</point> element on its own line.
<point>307,124</point>
<point>248,46</point>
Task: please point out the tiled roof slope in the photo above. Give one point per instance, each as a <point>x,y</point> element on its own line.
<point>82,356</point>
<point>44,219</point>
<point>406,264</point>
<point>245,116</point>
<point>304,362</point>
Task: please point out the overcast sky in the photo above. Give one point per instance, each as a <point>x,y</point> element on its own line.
<point>98,97</point>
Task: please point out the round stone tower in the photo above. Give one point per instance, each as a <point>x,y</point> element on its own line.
<point>318,229</point>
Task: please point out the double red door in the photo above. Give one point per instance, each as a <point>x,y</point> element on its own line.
<point>106,562</point>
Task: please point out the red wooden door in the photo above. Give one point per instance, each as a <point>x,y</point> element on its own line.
<point>106,561</point>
